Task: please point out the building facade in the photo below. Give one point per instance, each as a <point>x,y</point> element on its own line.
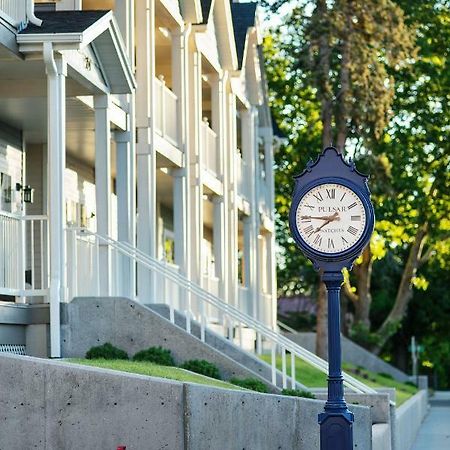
<point>135,146</point>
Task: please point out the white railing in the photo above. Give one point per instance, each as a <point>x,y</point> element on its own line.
<point>194,301</point>
<point>210,149</point>
<point>166,115</point>
<point>14,11</point>
<point>23,255</point>
<point>243,178</point>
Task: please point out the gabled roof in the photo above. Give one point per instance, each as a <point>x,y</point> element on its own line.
<point>75,30</point>
<point>64,22</point>
<point>244,17</point>
<point>206,9</point>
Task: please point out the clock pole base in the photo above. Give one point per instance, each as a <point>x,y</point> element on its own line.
<point>336,430</point>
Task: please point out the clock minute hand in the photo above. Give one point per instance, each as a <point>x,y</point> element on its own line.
<point>332,218</point>
<point>318,217</point>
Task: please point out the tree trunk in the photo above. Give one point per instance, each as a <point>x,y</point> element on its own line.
<point>342,114</point>
<point>322,322</point>
<point>325,89</point>
<point>364,275</point>
<point>404,292</point>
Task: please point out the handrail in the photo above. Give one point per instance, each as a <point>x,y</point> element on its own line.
<point>285,344</point>
<point>286,327</point>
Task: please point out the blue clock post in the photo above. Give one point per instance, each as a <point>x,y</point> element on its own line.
<point>331,220</point>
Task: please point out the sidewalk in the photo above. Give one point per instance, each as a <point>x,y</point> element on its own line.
<point>435,431</point>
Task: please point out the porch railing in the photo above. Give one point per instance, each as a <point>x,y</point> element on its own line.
<point>14,11</point>
<point>210,149</point>
<point>193,302</point>
<point>166,112</point>
<point>23,255</point>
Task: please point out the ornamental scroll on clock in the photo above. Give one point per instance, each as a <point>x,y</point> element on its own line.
<point>331,216</point>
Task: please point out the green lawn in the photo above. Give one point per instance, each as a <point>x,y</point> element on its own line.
<point>154,370</point>
<point>313,378</point>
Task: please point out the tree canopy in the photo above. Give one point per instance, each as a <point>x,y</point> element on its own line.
<point>373,78</point>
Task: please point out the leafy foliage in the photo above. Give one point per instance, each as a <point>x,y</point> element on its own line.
<point>106,351</point>
<point>157,355</point>
<point>297,393</point>
<point>250,383</point>
<point>202,367</point>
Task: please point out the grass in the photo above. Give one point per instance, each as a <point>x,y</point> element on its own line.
<point>314,378</point>
<point>154,370</point>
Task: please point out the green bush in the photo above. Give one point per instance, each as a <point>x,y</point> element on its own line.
<point>386,375</point>
<point>157,355</point>
<point>250,383</point>
<point>106,351</point>
<point>410,383</point>
<point>202,367</point>
<point>297,393</point>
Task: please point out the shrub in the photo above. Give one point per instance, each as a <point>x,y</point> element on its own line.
<point>386,375</point>
<point>410,383</point>
<point>250,383</point>
<point>202,367</point>
<point>157,355</point>
<point>106,351</point>
<point>297,393</point>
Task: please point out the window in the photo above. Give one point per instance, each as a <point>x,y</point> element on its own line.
<point>6,192</point>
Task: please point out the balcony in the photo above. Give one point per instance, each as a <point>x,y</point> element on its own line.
<point>210,149</point>
<point>14,11</point>
<point>242,177</point>
<point>166,107</point>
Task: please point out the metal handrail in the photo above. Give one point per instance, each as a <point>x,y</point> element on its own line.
<point>284,343</point>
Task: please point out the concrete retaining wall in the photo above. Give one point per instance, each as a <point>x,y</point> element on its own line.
<point>133,327</point>
<point>409,418</point>
<point>54,405</point>
<point>352,353</point>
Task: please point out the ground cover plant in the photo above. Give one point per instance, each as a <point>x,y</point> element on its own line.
<point>250,383</point>
<point>203,367</point>
<point>157,355</point>
<point>106,351</point>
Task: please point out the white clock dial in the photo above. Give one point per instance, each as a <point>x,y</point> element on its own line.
<point>331,218</point>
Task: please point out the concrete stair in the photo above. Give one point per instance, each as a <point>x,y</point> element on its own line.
<point>225,346</point>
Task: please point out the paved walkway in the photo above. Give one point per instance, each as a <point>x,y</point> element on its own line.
<point>435,431</point>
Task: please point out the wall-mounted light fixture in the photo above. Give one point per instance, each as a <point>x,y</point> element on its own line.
<point>27,193</point>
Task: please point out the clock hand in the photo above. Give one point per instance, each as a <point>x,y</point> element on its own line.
<point>320,217</point>
<point>332,218</point>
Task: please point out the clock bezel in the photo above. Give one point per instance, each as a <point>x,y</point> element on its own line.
<point>348,254</point>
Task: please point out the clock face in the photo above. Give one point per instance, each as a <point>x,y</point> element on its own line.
<point>331,218</point>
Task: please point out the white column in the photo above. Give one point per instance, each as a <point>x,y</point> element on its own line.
<point>146,153</point>
<point>195,168</point>
<point>219,241</point>
<point>125,185</point>
<point>182,193</point>
<point>56,147</point>
<point>103,188</point>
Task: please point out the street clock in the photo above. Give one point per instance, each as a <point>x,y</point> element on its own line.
<point>331,220</point>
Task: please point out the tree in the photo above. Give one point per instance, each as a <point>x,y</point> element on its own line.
<point>341,53</point>
<point>413,166</point>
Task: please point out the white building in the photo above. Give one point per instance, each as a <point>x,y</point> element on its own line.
<point>143,129</point>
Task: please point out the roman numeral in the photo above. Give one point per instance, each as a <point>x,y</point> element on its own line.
<point>344,241</point>
<point>318,196</point>
<point>318,240</point>
<point>352,205</point>
<point>308,229</point>
<point>330,243</point>
<point>352,230</point>
<point>309,206</point>
<point>342,198</point>
<point>331,193</point>
<point>356,218</point>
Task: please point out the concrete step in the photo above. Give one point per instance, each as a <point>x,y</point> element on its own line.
<point>225,346</point>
